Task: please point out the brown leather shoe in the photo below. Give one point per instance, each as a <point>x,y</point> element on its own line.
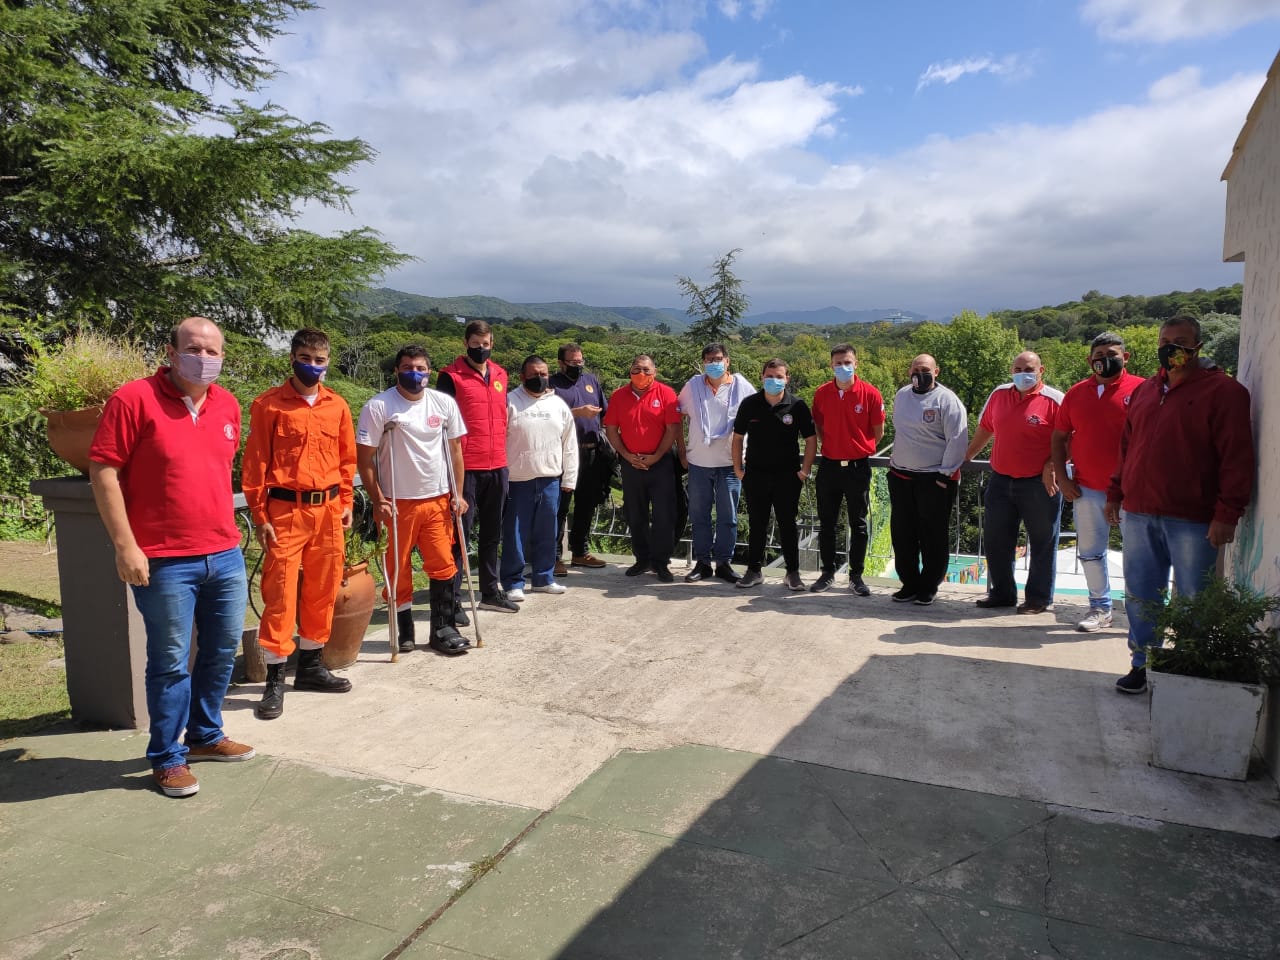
<point>1033,608</point>
<point>560,570</point>
<point>176,781</point>
<point>226,750</point>
<point>587,560</point>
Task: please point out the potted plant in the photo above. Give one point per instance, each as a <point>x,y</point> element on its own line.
<point>68,383</point>
<point>1209,686</point>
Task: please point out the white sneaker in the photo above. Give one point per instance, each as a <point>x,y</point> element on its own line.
<point>516,594</point>
<point>551,587</point>
<point>1095,621</point>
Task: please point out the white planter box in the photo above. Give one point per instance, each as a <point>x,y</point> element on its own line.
<point>1203,726</point>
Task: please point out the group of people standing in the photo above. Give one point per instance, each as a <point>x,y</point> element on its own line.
<point>1169,459</point>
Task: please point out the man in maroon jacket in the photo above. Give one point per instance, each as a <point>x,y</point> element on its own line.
<point>1184,478</point>
<point>480,387</point>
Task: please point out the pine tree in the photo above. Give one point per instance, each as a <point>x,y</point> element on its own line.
<point>718,307</point>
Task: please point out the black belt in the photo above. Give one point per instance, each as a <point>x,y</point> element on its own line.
<point>312,498</point>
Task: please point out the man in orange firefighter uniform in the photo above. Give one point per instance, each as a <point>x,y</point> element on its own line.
<point>297,475</point>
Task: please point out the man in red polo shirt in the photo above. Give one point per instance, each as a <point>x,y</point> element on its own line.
<point>848,413</point>
<point>1088,432</point>
<point>1023,486</point>
<point>161,476</point>
<point>641,423</point>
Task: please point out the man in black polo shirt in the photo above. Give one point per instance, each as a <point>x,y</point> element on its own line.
<point>596,461</point>
<point>768,425</point>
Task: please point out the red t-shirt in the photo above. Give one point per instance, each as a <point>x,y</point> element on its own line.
<point>175,472</point>
<point>1023,428</point>
<point>1094,421</point>
<point>642,418</point>
<point>846,420</point>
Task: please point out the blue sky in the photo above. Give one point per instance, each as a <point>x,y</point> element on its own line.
<point>920,155</point>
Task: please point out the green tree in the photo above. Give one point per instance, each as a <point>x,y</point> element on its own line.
<point>1221,335</point>
<point>974,355</point>
<point>717,309</point>
<point>130,196</point>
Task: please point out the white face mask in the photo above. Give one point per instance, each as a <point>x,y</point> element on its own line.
<point>843,371</point>
<point>195,368</point>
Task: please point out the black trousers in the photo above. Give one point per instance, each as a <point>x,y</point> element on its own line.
<point>919,521</point>
<point>779,491</point>
<point>486,493</point>
<point>595,475</point>
<point>836,485</point>
<point>649,502</point>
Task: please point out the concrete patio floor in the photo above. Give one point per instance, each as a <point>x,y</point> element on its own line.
<point>639,770</point>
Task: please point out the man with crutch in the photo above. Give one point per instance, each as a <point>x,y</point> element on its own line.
<point>401,441</point>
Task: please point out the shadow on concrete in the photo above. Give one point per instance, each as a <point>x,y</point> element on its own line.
<point>26,775</point>
<point>702,852</point>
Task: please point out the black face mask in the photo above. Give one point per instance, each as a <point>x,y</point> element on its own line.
<point>536,384</point>
<point>478,354</point>
<point>922,381</point>
<point>1108,367</point>
<point>572,372</point>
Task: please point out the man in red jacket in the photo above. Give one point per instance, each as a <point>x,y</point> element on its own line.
<point>480,387</point>
<point>1184,478</point>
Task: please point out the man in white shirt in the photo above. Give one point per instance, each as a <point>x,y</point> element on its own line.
<point>710,403</point>
<point>423,424</point>
<point>542,457</point>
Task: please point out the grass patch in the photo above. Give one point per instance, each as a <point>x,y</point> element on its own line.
<point>33,694</point>
<point>45,608</point>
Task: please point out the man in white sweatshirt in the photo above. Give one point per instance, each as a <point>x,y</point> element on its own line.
<point>542,457</point>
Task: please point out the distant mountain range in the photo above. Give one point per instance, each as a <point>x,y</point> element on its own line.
<point>385,300</point>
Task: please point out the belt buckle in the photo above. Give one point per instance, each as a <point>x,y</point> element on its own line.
<point>845,463</point>
<point>316,497</point>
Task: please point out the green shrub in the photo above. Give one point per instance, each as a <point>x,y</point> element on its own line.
<point>1218,635</point>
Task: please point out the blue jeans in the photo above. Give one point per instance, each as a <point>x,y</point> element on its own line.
<point>720,488</point>
<point>1010,500</point>
<point>208,592</point>
<point>529,531</point>
<point>1153,545</point>
<point>1092,534</point>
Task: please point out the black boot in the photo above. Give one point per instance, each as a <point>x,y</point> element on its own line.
<point>460,618</point>
<point>314,675</point>
<point>444,637</point>
<point>272,704</point>
<point>404,630</point>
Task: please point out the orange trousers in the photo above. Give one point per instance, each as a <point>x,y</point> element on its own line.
<point>428,525</point>
<point>309,540</point>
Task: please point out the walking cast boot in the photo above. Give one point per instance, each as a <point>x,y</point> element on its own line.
<point>272,703</point>
<point>314,675</point>
<point>444,636</point>
<point>404,630</point>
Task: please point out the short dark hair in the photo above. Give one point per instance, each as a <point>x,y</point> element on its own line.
<point>476,327</point>
<point>647,356</point>
<point>310,338</point>
<point>531,358</point>
<point>773,365</point>
<point>567,348</point>
<point>1108,339</point>
<point>843,348</point>
<point>714,348</point>
<point>1184,319</point>
<point>413,352</point>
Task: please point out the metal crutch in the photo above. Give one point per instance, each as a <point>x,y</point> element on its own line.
<point>455,493</point>
<point>393,573</point>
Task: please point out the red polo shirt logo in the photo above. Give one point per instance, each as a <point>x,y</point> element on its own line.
<point>433,421</point>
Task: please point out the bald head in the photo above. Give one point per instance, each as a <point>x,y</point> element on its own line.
<point>924,362</point>
<point>1028,361</point>
<point>196,328</point>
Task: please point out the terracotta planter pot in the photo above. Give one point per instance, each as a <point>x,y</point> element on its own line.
<point>352,612</point>
<point>71,433</point>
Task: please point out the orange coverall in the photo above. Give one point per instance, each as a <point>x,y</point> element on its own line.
<point>304,448</point>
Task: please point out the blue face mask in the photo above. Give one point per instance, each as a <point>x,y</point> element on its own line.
<point>774,385</point>
<point>714,370</point>
<point>414,381</point>
<point>843,371</point>
<point>308,374</point>
<point>1025,381</point>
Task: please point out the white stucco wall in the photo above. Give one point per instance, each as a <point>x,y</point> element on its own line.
<point>1253,235</point>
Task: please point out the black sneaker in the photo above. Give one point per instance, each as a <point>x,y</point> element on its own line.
<point>664,574</point>
<point>857,587</point>
<point>460,618</point>
<point>1135,681</point>
<point>924,599</point>
<point>750,578</point>
<point>700,571</point>
<point>793,581</point>
<point>905,595</point>
<point>498,601</point>
<point>990,603</point>
<point>637,569</point>
<point>726,573</point>
<point>823,583</point>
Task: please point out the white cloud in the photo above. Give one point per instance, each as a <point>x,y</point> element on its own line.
<point>1159,21</point>
<point>575,159</point>
<point>732,8</point>
<point>949,71</point>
